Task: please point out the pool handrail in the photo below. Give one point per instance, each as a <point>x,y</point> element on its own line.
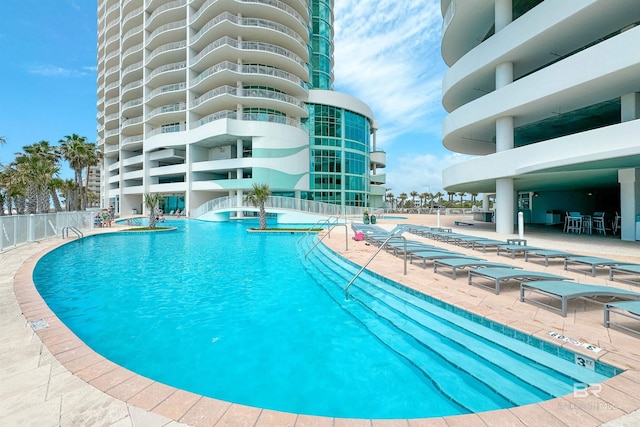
<point>392,236</point>
<point>317,223</point>
<point>328,233</point>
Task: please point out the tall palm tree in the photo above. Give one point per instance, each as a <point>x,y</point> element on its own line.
<point>74,150</point>
<point>258,198</point>
<point>391,198</point>
<point>55,185</point>
<point>151,201</point>
<point>403,197</point>
<point>39,163</point>
<point>413,195</point>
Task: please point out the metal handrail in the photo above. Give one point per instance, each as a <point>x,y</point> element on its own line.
<point>346,238</point>
<point>393,236</point>
<point>74,229</point>
<point>317,223</point>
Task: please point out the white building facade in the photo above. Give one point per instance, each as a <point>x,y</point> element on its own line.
<point>199,99</point>
<point>546,96</point>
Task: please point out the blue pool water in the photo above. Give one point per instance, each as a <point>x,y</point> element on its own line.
<point>242,317</point>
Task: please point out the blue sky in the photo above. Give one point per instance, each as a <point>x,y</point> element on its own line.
<point>387,53</point>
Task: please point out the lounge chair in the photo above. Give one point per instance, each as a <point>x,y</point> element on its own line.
<point>564,291</point>
<point>633,269</point>
<point>468,262</point>
<point>630,309</point>
<point>500,274</point>
<point>433,255</point>
<point>487,243</point>
<point>592,262</point>
<point>468,241</point>
<point>547,254</point>
<point>513,249</point>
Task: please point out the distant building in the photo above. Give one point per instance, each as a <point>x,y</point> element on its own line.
<point>547,95</point>
<point>202,99</point>
<point>94,185</point>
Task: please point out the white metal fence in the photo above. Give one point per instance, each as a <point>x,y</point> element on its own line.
<point>17,230</point>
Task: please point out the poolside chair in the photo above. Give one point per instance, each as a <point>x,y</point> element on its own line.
<point>598,223</point>
<point>633,269</point>
<point>628,309</point>
<point>513,249</point>
<point>592,262</point>
<point>498,275</point>
<point>573,222</point>
<point>615,226</point>
<point>564,291</point>
<point>464,262</point>
<point>547,254</point>
<point>487,243</point>
<point>435,254</point>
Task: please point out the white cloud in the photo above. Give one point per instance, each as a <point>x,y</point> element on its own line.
<point>420,173</point>
<point>55,71</point>
<point>388,55</point>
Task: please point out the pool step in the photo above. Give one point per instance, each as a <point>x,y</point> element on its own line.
<point>412,316</point>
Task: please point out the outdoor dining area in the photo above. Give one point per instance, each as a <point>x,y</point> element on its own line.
<point>595,223</point>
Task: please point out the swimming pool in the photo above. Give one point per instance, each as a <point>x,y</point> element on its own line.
<point>238,316</point>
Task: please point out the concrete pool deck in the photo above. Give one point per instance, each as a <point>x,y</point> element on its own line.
<point>51,378</point>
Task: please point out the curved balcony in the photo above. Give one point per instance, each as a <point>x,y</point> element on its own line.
<point>467,24</point>
<point>574,83</point>
<point>167,93</point>
<point>273,10</point>
<point>132,72</point>
<point>111,120</point>
<point>168,53</point>
<point>135,31</point>
<point>264,53</point>
<point>129,16</point>
<point>132,108</point>
<point>228,24</point>
<point>167,114</point>
<point>131,91</point>
<point>227,73</point>
<point>167,33</point>
<point>167,12</point>
<point>378,158</point>
<point>132,125</point>
<point>167,73</point>
<point>226,97</point>
<point>546,34</point>
<point>132,55</point>
<point>132,142</point>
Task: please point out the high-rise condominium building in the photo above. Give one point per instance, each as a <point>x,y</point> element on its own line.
<point>199,99</point>
<point>546,94</point>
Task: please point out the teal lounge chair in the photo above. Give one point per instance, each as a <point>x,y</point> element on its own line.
<point>592,262</point>
<point>629,309</point>
<point>632,269</point>
<point>468,262</point>
<point>564,291</point>
<point>498,275</point>
<point>546,254</point>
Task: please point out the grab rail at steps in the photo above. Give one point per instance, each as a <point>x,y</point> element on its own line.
<point>77,231</point>
<point>393,236</point>
<point>346,238</point>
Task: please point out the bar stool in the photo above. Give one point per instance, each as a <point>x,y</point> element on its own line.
<point>586,224</point>
<point>598,223</point>
<point>573,222</point>
<point>616,223</point>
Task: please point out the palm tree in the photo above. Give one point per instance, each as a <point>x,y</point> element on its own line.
<point>151,201</point>
<point>391,199</point>
<point>438,196</point>
<point>402,197</point>
<point>258,198</point>
<point>461,194</point>
<point>74,150</point>
<point>70,191</point>
<point>39,164</point>
<point>54,185</point>
<point>413,195</point>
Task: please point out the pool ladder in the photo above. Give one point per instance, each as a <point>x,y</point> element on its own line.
<point>65,231</point>
<point>380,248</point>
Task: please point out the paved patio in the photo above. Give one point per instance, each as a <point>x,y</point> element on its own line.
<point>50,378</point>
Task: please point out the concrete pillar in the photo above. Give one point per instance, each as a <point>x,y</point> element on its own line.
<point>630,107</point>
<point>503,11</point>
<point>504,206</point>
<point>504,134</point>
<point>485,202</point>
<point>504,74</point>
<point>629,202</point>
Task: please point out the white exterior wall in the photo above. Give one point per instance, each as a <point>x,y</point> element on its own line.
<point>563,57</point>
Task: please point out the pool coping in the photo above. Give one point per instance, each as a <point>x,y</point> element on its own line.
<point>193,409</point>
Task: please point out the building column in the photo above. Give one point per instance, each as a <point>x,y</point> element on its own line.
<point>629,202</point>
<point>504,134</point>
<point>504,206</point>
<point>485,202</point>
<point>503,11</point>
<point>630,107</point>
